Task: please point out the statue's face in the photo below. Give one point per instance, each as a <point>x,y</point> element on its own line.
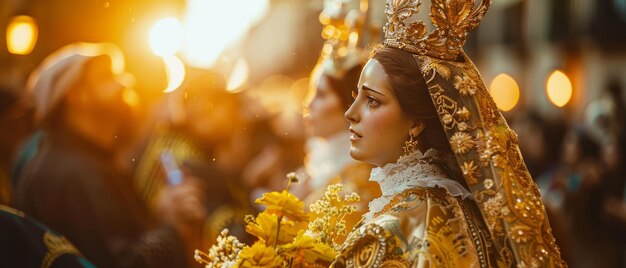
<point>377,122</point>
<point>325,117</point>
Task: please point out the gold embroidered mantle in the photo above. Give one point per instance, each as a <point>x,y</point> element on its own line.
<point>487,151</point>
<point>420,227</point>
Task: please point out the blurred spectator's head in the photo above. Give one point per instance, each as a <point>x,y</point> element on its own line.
<point>81,87</point>
<point>605,118</point>
<point>530,127</point>
<point>331,97</point>
<point>206,109</point>
<point>16,116</point>
<point>579,145</point>
<point>539,140</point>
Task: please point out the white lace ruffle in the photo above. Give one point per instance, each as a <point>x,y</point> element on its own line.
<point>411,171</point>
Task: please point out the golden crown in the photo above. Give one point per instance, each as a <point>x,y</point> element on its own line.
<point>343,32</point>
<point>452,20</point>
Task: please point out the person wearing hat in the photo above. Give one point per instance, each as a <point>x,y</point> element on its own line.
<point>72,184</point>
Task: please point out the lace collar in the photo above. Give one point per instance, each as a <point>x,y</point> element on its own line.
<point>411,171</point>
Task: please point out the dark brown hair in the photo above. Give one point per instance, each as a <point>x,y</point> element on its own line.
<point>410,88</point>
<point>344,87</point>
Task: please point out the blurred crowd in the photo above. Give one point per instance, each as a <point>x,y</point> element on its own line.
<point>579,168</point>
<point>135,186</point>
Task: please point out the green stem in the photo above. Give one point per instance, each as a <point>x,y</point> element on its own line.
<point>277,231</point>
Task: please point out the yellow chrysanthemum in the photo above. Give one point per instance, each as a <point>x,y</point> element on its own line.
<point>283,204</point>
<point>259,256</point>
<point>307,251</point>
<point>265,227</point>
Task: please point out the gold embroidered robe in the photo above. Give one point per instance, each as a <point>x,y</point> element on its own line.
<point>420,227</point>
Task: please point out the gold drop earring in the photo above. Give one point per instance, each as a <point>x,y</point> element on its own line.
<point>410,146</point>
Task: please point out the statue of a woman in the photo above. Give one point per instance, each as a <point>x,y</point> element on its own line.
<point>455,190</point>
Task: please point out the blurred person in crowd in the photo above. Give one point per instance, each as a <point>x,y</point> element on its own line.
<point>333,81</point>
<point>204,136</point>
<point>607,114</point>
<point>26,243</point>
<point>16,122</point>
<point>579,167</point>
<point>539,141</point>
<point>576,193</point>
<point>277,147</point>
<point>73,184</point>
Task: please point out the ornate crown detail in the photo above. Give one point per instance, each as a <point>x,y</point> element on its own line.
<point>345,32</point>
<point>452,19</point>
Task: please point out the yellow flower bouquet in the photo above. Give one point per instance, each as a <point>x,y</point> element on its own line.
<point>285,235</point>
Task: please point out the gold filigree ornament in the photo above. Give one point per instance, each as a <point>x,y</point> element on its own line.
<point>463,114</point>
<point>465,85</point>
<point>346,33</point>
<point>395,263</point>
<point>57,245</point>
<point>485,148</point>
<point>452,19</point>
<point>469,171</point>
<point>374,242</point>
<point>410,146</point>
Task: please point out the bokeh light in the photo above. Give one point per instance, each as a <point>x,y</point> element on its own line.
<point>271,92</point>
<point>21,35</point>
<point>298,93</point>
<point>559,88</point>
<point>131,97</point>
<point>175,70</point>
<point>238,76</point>
<point>505,92</point>
<point>167,37</point>
<point>211,27</point>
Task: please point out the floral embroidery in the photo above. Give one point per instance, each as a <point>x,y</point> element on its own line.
<point>463,114</point>
<point>520,233</point>
<point>465,85</point>
<point>488,183</point>
<point>462,126</point>
<point>469,171</point>
<point>488,154</point>
<point>461,142</point>
<point>447,119</point>
<point>493,208</point>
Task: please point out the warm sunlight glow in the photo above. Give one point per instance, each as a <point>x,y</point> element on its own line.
<point>212,26</point>
<point>271,92</point>
<point>21,35</point>
<point>298,93</point>
<point>94,49</point>
<point>167,37</point>
<point>239,76</point>
<point>175,72</point>
<point>505,92</point>
<point>559,88</point>
<point>130,96</point>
